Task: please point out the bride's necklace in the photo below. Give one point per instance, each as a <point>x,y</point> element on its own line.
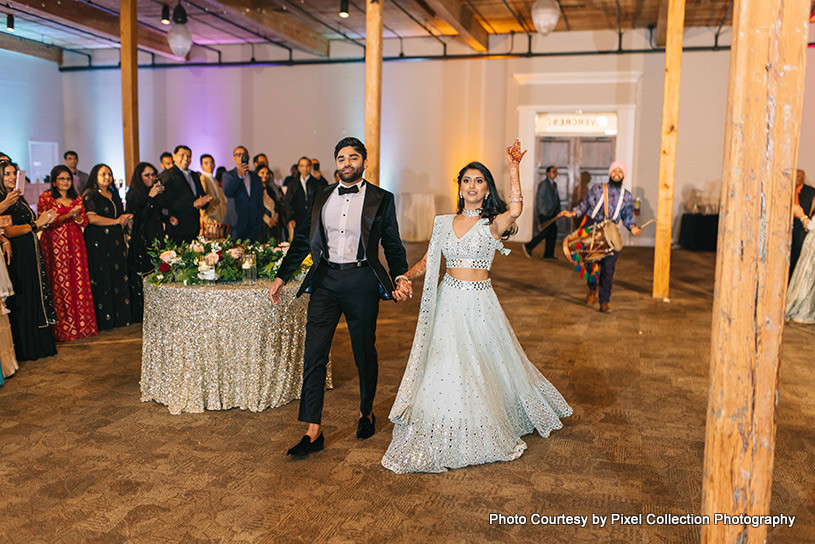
<point>471,213</point>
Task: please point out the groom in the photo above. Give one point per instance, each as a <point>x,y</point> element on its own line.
<point>346,224</point>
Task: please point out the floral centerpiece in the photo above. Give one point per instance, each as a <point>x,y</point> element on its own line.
<point>205,261</point>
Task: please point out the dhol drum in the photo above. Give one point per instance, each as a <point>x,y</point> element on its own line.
<point>593,242</point>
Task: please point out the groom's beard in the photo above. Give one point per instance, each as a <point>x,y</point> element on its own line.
<point>352,176</point>
<point>615,184</point>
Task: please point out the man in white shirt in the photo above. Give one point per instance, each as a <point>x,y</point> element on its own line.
<point>300,192</point>
<point>345,225</point>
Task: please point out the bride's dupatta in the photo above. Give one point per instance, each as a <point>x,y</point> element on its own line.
<point>400,413</point>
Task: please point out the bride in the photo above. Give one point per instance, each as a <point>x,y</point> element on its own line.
<point>469,392</point>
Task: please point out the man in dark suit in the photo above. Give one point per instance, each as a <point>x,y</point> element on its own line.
<point>804,196</point>
<point>300,191</point>
<point>183,197</point>
<point>547,206</point>
<point>244,198</point>
<point>343,231</point>
<point>80,177</point>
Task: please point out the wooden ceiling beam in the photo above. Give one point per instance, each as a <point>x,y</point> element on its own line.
<point>662,24</point>
<point>461,17</point>
<point>29,47</point>
<point>95,20</point>
<point>283,26</point>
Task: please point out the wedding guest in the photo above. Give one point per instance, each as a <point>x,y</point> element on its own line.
<point>315,171</point>
<point>183,197</point>
<point>166,160</point>
<point>260,159</point>
<point>300,192</point>
<point>216,209</point>
<point>805,198</point>
<point>66,258</point>
<point>8,360</point>
<point>219,175</point>
<point>107,259</point>
<point>244,198</point>
<point>142,204</point>
<point>31,306</point>
<point>273,226</point>
<point>79,178</point>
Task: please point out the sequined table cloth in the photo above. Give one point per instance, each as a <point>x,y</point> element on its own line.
<point>222,346</point>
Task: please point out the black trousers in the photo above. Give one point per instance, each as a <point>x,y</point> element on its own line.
<point>549,234</point>
<point>355,294</point>
<point>607,267</point>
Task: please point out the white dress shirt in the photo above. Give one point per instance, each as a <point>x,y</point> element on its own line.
<point>247,182</point>
<point>342,219</point>
<point>304,185</point>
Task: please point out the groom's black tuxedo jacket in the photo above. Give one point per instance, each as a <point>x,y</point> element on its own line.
<point>378,226</point>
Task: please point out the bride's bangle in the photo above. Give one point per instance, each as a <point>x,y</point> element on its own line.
<point>402,277</point>
<point>517,199</point>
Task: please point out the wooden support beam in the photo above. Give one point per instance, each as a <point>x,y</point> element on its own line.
<point>662,24</point>
<point>373,86</point>
<point>762,129</point>
<point>461,17</point>
<point>80,14</point>
<point>667,154</point>
<point>30,47</point>
<point>130,83</point>
<point>282,26</point>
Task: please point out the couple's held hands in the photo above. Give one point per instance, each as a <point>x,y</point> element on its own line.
<point>514,154</point>
<point>202,201</point>
<point>404,289</point>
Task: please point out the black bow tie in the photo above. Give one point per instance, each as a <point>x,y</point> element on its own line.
<point>345,190</point>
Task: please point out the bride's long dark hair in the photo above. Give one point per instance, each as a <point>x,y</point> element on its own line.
<point>493,203</point>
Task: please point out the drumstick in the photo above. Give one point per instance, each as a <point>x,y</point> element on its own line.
<point>647,223</point>
<point>555,218</point>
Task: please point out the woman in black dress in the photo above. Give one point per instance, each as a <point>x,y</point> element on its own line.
<point>274,220</point>
<point>147,227</point>
<point>107,254</point>
<point>31,306</point>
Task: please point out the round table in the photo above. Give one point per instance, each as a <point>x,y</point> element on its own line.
<point>222,346</point>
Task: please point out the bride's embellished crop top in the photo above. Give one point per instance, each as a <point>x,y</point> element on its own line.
<point>475,249</point>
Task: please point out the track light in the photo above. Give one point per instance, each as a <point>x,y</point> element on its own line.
<point>10,22</point>
<point>165,14</point>
<point>344,9</point>
<point>180,14</point>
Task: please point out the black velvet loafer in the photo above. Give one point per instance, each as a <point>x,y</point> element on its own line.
<point>365,427</point>
<point>303,448</point>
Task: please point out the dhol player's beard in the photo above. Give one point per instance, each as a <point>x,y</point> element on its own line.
<point>351,176</point>
<point>615,184</point>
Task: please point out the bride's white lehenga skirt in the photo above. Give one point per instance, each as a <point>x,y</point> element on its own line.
<point>479,393</point>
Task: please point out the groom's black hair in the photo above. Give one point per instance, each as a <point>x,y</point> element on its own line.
<point>358,146</point>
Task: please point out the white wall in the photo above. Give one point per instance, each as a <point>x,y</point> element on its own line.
<point>437,115</point>
<point>30,105</point>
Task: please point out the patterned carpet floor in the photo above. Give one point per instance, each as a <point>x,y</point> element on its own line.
<point>83,460</point>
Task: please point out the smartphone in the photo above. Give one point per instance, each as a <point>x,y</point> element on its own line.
<point>245,158</point>
<point>20,180</point>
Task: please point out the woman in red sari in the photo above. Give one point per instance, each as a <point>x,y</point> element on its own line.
<point>66,258</point>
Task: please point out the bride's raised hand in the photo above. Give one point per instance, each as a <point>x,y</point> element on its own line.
<point>514,154</point>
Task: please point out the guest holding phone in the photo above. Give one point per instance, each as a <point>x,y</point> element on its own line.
<point>66,258</point>
<point>31,305</point>
<point>107,253</point>
<point>244,198</point>
<point>148,227</point>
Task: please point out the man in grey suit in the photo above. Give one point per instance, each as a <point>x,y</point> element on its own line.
<point>80,177</point>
